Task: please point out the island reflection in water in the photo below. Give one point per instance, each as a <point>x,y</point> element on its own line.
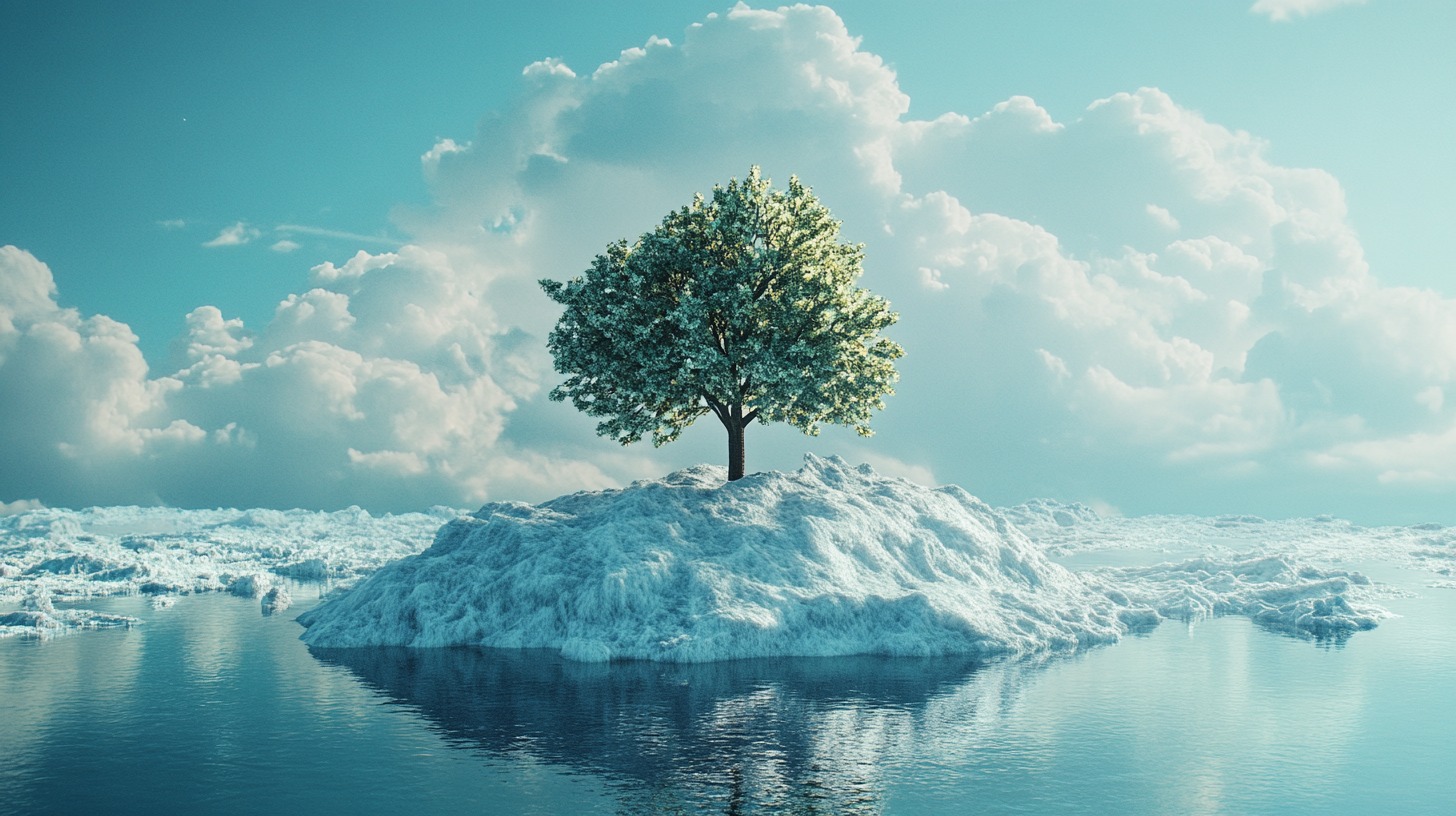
<point>800,735</point>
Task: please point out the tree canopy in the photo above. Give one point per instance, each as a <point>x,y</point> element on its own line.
<point>745,305</point>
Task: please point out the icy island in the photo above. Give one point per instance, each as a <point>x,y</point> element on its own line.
<point>828,560</point>
<point>743,305</point>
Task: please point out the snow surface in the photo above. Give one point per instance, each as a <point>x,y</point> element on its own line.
<point>829,560</point>
<point>1071,530</point>
<point>70,555</point>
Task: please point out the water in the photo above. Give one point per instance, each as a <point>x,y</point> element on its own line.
<point>211,707</point>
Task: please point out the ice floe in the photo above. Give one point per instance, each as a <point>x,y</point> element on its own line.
<point>39,617</point>
<point>1274,591</point>
<point>72,555</point>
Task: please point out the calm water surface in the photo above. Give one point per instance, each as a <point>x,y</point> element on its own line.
<point>211,707</point>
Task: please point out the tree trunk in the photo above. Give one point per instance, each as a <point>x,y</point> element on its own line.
<point>735,425</point>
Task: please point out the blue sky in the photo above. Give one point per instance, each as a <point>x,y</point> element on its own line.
<point>1155,256</point>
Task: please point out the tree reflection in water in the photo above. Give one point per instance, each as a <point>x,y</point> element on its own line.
<point>802,735</point>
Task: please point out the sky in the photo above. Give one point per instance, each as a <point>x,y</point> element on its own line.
<point>1154,257</point>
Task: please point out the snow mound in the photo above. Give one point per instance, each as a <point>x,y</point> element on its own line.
<point>828,560</point>
<point>1050,513</point>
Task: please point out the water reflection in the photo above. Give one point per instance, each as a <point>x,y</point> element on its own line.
<point>797,736</point>
<point>102,672</point>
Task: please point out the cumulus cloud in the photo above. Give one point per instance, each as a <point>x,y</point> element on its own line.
<point>1286,10</point>
<point>386,384</point>
<point>1134,300</point>
<point>74,390</point>
<point>237,234</point>
<point>1163,217</point>
<point>1253,343</point>
<point>1135,305</point>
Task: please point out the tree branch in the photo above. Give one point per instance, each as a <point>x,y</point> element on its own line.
<point>719,408</point>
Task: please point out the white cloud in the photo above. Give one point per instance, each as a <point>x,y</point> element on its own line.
<point>27,290</point>
<point>1433,398</point>
<point>442,148</point>
<point>387,387</point>
<point>931,279</point>
<point>546,67</point>
<point>1420,459</point>
<point>1105,319</point>
<point>235,235</point>
<point>19,506</point>
<point>340,235</point>
<point>354,268</point>
<point>1162,217</point>
<point>209,334</point>
<point>172,224</point>
<point>890,466</point>
<point>285,246</point>
<point>391,379</point>
<point>72,390</point>
<point>1230,352</point>
<point>1286,10</point>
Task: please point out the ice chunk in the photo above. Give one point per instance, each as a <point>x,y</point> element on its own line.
<point>29,622</point>
<point>313,569</point>
<point>276,600</point>
<point>253,585</point>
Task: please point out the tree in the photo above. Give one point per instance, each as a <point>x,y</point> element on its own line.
<point>745,306</point>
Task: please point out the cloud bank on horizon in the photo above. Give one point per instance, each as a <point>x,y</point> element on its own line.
<point>1136,307</point>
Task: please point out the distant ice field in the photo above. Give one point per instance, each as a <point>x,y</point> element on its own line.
<point>827,560</point>
<point>70,555</point>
